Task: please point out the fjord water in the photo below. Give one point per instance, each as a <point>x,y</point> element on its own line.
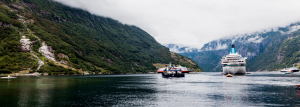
<point>199,89</point>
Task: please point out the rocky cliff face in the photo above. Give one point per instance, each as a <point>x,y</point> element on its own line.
<point>248,45</point>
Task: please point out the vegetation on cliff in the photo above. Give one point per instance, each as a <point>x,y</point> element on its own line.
<point>86,42</point>
<point>12,59</point>
<point>280,53</point>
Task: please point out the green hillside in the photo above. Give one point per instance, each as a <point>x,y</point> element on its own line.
<point>11,57</point>
<point>82,41</point>
<point>280,53</point>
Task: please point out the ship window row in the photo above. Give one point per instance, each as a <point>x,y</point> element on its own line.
<point>234,61</point>
<point>233,57</point>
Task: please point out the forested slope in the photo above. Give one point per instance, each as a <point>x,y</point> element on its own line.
<point>78,39</point>
<point>278,54</point>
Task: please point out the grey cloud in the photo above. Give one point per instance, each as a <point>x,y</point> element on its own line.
<point>195,22</point>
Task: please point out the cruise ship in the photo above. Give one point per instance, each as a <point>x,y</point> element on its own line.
<point>233,63</point>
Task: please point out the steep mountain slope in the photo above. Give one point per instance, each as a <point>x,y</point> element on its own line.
<point>70,40</point>
<point>261,48</point>
<point>278,55</point>
<point>11,56</point>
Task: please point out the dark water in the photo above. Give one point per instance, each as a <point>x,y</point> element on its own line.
<point>201,89</point>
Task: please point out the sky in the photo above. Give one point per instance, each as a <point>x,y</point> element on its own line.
<point>195,22</point>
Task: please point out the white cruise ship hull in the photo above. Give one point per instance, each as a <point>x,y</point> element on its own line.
<point>236,70</point>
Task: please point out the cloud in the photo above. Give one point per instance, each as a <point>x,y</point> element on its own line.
<point>195,22</point>
<point>256,39</point>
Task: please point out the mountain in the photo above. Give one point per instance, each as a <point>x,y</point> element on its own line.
<point>266,50</point>
<point>45,36</point>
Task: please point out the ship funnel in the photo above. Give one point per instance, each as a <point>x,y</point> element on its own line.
<point>233,49</point>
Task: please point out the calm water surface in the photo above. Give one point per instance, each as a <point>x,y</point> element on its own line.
<point>201,89</point>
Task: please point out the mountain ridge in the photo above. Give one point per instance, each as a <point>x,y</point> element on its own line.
<point>75,39</point>
<point>248,45</point>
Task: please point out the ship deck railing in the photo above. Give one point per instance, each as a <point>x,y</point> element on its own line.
<point>175,70</point>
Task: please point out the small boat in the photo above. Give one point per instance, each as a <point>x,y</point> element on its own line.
<point>293,69</point>
<point>8,77</point>
<point>297,87</point>
<point>228,75</point>
<point>288,72</point>
<point>248,72</point>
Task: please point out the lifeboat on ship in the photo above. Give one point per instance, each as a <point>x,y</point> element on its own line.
<point>161,70</point>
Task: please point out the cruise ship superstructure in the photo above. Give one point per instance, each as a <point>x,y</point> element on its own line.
<point>233,63</point>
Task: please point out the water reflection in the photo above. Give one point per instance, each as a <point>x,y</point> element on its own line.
<point>23,97</point>
<point>202,89</point>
